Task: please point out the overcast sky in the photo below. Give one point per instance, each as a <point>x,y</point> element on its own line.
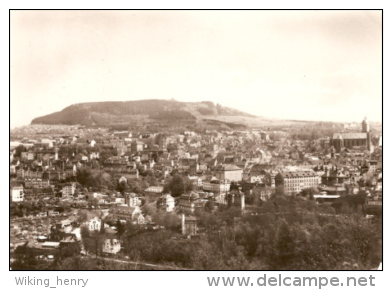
<point>307,65</point>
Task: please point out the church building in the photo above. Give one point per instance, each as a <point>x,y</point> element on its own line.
<point>350,140</point>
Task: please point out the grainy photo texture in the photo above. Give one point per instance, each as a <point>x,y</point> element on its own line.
<point>195,140</point>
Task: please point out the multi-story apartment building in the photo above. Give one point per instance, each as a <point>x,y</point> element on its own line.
<point>137,146</point>
<point>373,166</point>
<point>132,200</point>
<point>127,213</point>
<point>69,189</point>
<point>189,225</point>
<point>166,202</point>
<point>28,155</point>
<point>111,246</point>
<point>93,224</point>
<point>37,183</point>
<point>294,182</point>
<point>16,193</point>
<point>229,172</point>
<point>217,186</point>
<point>37,193</point>
<point>54,175</point>
<point>27,173</point>
<point>190,202</point>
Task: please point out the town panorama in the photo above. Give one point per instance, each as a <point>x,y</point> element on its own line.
<point>195,140</point>
<point>176,192</point>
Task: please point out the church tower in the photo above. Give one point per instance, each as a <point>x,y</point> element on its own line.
<point>365,126</point>
<point>339,144</point>
<point>366,129</point>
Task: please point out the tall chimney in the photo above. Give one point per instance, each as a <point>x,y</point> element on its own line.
<point>242,202</point>
<point>183,224</point>
<point>56,153</point>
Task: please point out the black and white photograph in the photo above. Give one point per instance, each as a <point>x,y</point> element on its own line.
<point>188,140</point>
